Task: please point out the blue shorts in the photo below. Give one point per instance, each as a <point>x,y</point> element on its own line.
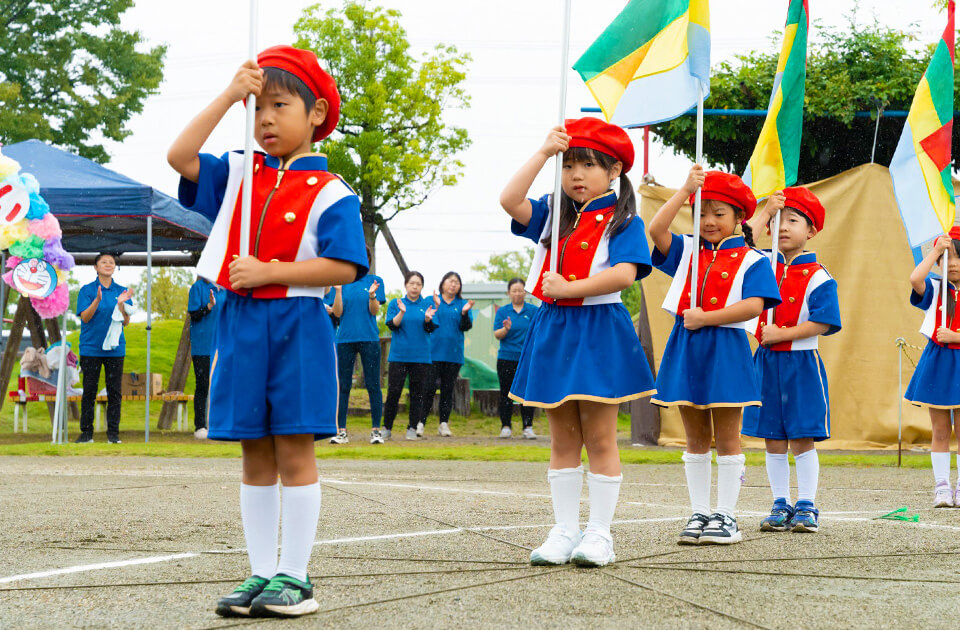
<point>273,370</point>
<point>796,400</point>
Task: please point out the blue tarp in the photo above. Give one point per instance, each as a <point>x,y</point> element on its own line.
<point>101,210</point>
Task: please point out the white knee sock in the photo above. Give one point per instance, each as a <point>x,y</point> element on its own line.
<point>729,474</point>
<point>566,484</point>
<point>808,474</point>
<point>941,466</point>
<point>778,472</point>
<point>260,512</point>
<point>604,492</point>
<point>301,511</point>
<point>697,466</point>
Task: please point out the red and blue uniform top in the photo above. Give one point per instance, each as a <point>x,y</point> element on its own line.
<point>931,304</point>
<point>808,294</point>
<point>586,251</point>
<point>728,272</point>
<point>300,211</point>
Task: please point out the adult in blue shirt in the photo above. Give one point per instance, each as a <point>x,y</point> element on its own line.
<point>101,346</point>
<point>453,318</point>
<point>356,306</point>
<point>410,318</point>
<point>510,326</point>
<point>202,306</point>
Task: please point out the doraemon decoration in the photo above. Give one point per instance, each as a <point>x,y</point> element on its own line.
<point>35,278</point>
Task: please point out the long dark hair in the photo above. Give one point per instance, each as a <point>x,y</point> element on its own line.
<point>625,209</point>
<point>451,274</point>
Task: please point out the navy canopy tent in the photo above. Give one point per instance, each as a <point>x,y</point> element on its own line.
<point>101,210</point>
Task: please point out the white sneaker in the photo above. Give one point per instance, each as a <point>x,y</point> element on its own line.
<point>200,434</point>
<point>720,530</point>
<point>412,434</point>
<point>419,429</point>
<point>942,496</point>
<point>529,434</point>
<point>444,430</point>
<point>375,436</point>
<point>340,438</point>
<point>386,433</point>
<point>594,550</point>
<point>506,432</point>
<point>556,549</point>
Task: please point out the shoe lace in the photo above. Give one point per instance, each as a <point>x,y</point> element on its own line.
<point>251,583</point>
<point>279,582</point>
<point>698,519</point>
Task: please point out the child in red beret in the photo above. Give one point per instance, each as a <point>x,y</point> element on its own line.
<point>582,357</point>
<point>793,382</point>
<point>934,383</point>
<point>273,383</point>
<point>706,368</point>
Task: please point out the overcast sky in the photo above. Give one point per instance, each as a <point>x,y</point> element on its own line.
<point>513,82</point>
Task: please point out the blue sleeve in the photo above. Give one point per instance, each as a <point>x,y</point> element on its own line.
<point>330,297</point>
<point>540,211</point>
<point>922,302</point>
<point>498,318</point>
<point>392,310</point>
<point>759,281</point>
<point>85,298</point>
<point>629,245</point>
<point>825,306</point>
<point>194,300</point>
<point>340,233</point>
<point>381,294</point>
<point>669,263</point>
<point>206,195</point>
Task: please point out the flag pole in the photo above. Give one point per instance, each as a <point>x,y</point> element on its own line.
<point>695,256</point>
<point>944,288</point>
<point>557,192</point>
<point>774,251</point>
<point>246,197</point>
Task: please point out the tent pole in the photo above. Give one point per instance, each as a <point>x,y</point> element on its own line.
<point>146,419</point>
<point>900,343</point>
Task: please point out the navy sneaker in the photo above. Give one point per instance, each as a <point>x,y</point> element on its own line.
<point>721,530</point>
<point>237,603</point>
<point>805,518</point>
<point>694,527</point>
<point>780,516</point>
<point>284,596</point>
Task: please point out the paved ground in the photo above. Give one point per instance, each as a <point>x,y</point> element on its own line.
<point>151,543</point>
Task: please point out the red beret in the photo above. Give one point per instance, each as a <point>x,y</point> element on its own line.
<point>806,203</point>
<point>304,65</point>
<point>955,233</point>
<point>729,188</point>
<point>593,133</point>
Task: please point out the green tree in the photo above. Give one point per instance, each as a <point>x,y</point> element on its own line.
<point>859,67</point>
<point>171,286</point>
<point>70,75</point>
<point>502,267</point>
<point>393,145</point>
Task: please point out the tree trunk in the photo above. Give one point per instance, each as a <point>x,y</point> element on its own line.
<point>370,237</point>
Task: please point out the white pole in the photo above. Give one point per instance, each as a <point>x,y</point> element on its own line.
<point>944,288</point>
<point>900,343</point>
<point>146,413</point>
<point>247,192</point>
<point>774,251</point>
<point>557,192</point>
<point>695,257</point>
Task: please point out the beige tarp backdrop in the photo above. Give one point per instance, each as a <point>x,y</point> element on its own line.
<point>864,247</point>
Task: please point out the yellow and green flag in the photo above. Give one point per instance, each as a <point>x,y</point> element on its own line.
<point>773,165</point>
<point>920,168</point>
<point>649,65</point>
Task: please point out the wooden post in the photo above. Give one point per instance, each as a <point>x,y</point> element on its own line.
<point>394,249</point>
<point>645,417</point>
<point>178,376</point>
<point>12,348</point>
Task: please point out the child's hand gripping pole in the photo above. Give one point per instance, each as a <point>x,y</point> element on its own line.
<point>555,211</point>
<point>246,197</point>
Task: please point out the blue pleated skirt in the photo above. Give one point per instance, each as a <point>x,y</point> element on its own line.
<point>581,353</point>
<point>796,401</point>
<point>935,382</point>
<point>709,367</point>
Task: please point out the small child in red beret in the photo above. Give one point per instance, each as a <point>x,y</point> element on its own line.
<point>582,357</point>
<point>793,381</point>
<point>934,383</point>
<point>706,368</point>
<point>306,235</point>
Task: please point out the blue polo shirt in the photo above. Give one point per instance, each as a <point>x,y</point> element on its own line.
<point>511,345</point>
<point>446,343</point>
<point>93,333</point>
<point>410,342</point>
<point>201,332</point>
<point>356,322</point>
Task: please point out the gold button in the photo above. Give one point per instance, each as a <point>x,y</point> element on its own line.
<point>256,168</point>
<point>289,217</point>
<point>724,275</point>
<point>599,218</point>
<point>235,257</point>
<point>806,272</point>
<point>792,300</point>
<point>274,260</point>
<point>713,300</point>
<point>312,181</point>
<point>733,255</point>
<point>571,277</point>
<point>584,245</point>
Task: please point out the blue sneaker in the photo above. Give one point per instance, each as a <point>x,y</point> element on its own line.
<point>780,516</point>
<point>284,596</point>
<point>805,517</point>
